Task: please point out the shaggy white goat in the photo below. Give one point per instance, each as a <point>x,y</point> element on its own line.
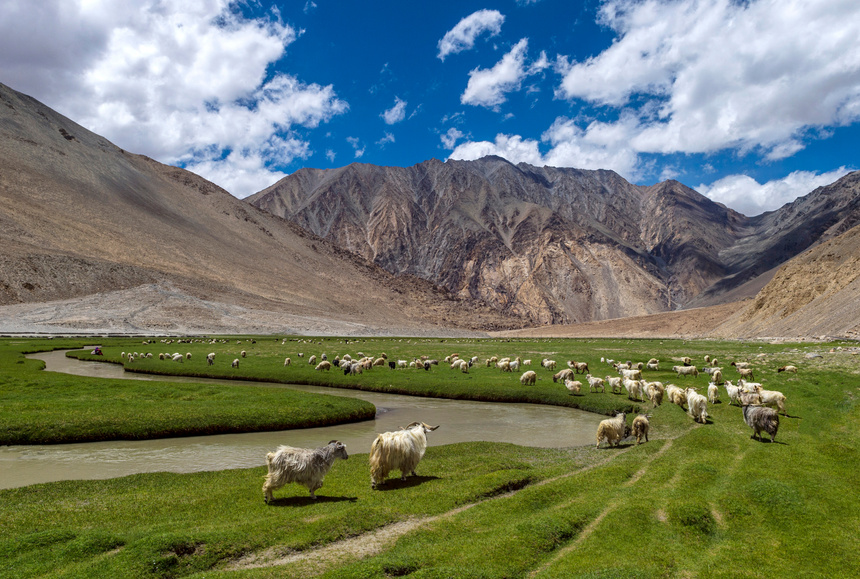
<point>401,450</point>
<point>733,391</point>
<point>612,430</point>
<point>306,466</point>
<point>685,371</point>
<point>697,406</point>
<point>641,427</point>
<point>594,383</point>
<point>528,377</point>
<point>563,375</point>
<point>713,393</point>
<point>573,386</point>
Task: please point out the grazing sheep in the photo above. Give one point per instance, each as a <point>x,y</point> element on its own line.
<point>631,373</point>
<point>160,356</point>
<point>573,386</point>
<point>210,358</point>
<point>401,450</point>
<point>734,392</point>
<point>563,375</point>
<point>402,364</point>
<point>713,393</point>
<point>685,371</point>
<point>504,365</point>
<point>464,366</point>
<point>306,466</point>
<point>687,361</point>
<point>324,365</point>
<point>379,362</point>
<point>188,356</point>
<point>787,369</point>
<point>287,362</point>
<point>707,359</point>
<point>578,367</point>
<point>717,376</point>
<point>549,364</point>
<point>595,383</point>
<point>746,373</point>
<point>612,430</point>
<point>235,363</point>
<point>653,365</point>
<point>740,365</point>
<point>243,353</point>
<point>697,406</point>
<point>614,383</point>
<point>312,360</point>
<point>528,377</point>
<point>177,358</point>
<point>759,418</point>
<point>641,427</point>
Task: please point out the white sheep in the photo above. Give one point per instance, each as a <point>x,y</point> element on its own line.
<point>697,406</point>
<point>734,392</point>
<point>792,369</point>
<point>528,377</point>
<point>653,365</point>
<point>243,353</point>
<point>770,398</point>
<point>188,356</point>
<point>549,364</point>
<point>655,392</point>
<point>717,376</point>
<point>614,383</point>
<point>685,371</point>
<point>312,360</point>
<point>401,450</point>
<point>713,393</point>
<point>631,373</point>
<point>235,363</point>
<point>210,358</point>
<point>306,466</point>
<point>676,395</point>
<point>177,357</point>
<point>746,373</point>
<point>324,365</point>
<point>563,375</point>
<point>573,386</point>
<point>740,365</point>
<point>612,430</point>
<point>594,383</point>
<point>287,361</point>
<point>578,367</point>
<point>641,426</point>
<point>634,389</point>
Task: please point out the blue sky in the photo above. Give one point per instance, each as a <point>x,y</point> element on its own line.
<point>752,102</point>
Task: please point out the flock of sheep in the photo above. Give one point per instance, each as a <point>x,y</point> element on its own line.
<point>403,449</point>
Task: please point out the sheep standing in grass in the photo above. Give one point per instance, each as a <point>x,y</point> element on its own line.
<point>612,430</point>
<point>562,375</point>
<point>734,392</point>
<point>717,376</point>
<point>306,466</point>
<point>578,367</point>
<point>746,373</point>
<point>573,386</point>
<point>614,383</point>
<point>594,383</point>
<point>401,450</point>
<point>676,395</point>
<point>792,369</point>
<point>686,371</point>
<point>634,389</point>
<point>235,363</point>
<point>697,406</point>
<point>243,353</point>
<point>324,365</point>
<point>528,377</point>
<point>655,391</point>
<point>312,360</point>
<point>641,427</point>
<point>177,358</point>
<point>713,393</point>
<point>210,358</point>
<point>759,418</point>
<point>770,397</point>
<point>287,361</point>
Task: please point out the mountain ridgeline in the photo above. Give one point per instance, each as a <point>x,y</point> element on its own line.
<point>556,245</point>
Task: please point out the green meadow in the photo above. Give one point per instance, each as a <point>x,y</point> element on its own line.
<point>697,500</point>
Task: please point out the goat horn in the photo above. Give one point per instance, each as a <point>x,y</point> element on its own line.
<point>428,427</point>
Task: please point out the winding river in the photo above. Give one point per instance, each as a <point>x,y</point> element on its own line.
<point>461,421</point>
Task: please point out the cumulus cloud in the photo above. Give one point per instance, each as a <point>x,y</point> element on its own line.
<point>357,146</point>
<point>746,195</point>
<point>706,75</point>
<point>184,82</point>
<point>511,147</point>
<point>396,113</point>
<point>487,87</point>
<point>463,35</point>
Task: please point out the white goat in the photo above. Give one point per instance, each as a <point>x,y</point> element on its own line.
<point>697,406</point>
<point>528,377</point>
<point>306,466</point>
<point>641,426</point>
<point>612,430</point>
<point>401,450</point>
<point>713,393</point>
<point>573,386</point>
<point>594,383</point>
<point>733,391</point>
<point>685,371</point>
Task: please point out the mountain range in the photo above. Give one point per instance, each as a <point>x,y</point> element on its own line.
<point>98,239</point>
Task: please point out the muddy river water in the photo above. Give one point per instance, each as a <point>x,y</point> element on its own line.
<point>461,421</point>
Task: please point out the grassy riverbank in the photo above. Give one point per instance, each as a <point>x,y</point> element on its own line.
<point>695,501</point>
<point>47,408</point>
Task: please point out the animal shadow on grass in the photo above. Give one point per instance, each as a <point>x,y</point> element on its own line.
<point>307,500</point>
<point>393,484</point>
<point>768,441</point>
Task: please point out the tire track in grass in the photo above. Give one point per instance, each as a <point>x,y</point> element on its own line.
<point>611,506</point>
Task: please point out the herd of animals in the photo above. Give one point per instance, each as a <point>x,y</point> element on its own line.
<point>403,450</point>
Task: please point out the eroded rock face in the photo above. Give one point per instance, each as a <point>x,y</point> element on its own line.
<point>555,245</point>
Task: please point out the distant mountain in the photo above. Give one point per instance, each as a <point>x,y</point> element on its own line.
<point>556,245</point>
<point>81,216</point>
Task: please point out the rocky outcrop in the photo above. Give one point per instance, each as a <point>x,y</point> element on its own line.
<point>554,245</point>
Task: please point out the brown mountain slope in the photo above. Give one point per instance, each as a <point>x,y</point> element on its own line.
<point>556,245</point>
<point>81,216</point>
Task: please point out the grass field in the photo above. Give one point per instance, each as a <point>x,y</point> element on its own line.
<point>696,501</point>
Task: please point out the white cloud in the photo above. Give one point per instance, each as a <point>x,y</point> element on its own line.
<point>487,87</point>
<point>387,138</point>
<point>462,36</point>
<point>396,113</point>
<point>746,195</point>
<point>450,138</point>
<point>183,82</point>
<point>717,74</point>
<point>511,147</point>
<point>355,143</point>
<point>330,155</point>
